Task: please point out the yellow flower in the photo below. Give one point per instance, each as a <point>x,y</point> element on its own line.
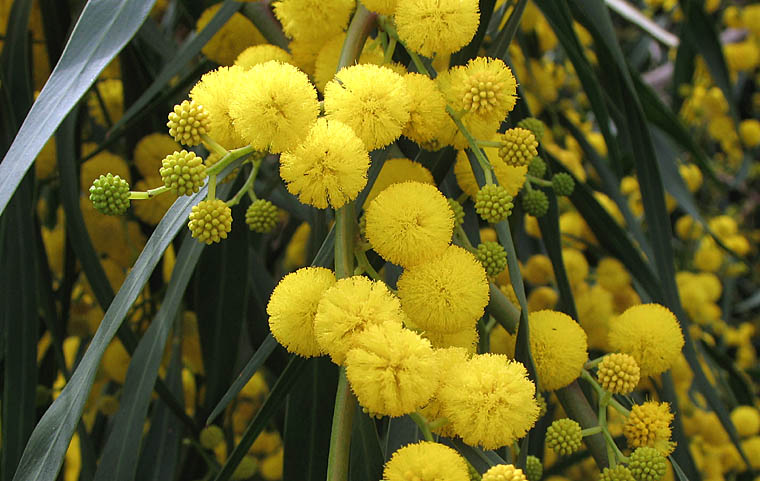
<point>46,162</point>
<point>370,99</point>
<point>747,420</point>
<point>392,370</point>
<point>543,297</point>
<point>216,91</point>
<point>409,223</point>
<point>504,472</point>
<point>257,54</point>
<point>595,309</point>
<point>447,293</point>
<point>234,36</point>
<point>538,270</point>
<point>329,167</point>
<point>293,306</point>
<point>295,252</point>
<point>510,177</point>
<point>428,119</point>
<point>398,170</point>
<point>651,334</point>
<point>271,467</point>
<point>326,64</point>
<point>150,151</point>
<point>648,424</point>
<point>576,266</point>
<point>313,20</point>
<point>426,461</point>
<point>102,163</point>
<point>384,7</point>
<point>749,131</point>
<point>485,88</point>
<point>611,274</point>
<point>437,26</point>
<point>618,373</point>
<point>688,228</point>
<point>466,338</point>
<point>558,345</point>
<point>274,107</point>
<point>348,308</point>
<point>112,93</point>
<point>489,400</point>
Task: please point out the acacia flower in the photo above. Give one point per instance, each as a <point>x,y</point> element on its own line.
<point>426,461</point>
<point>216,91</point>
<point>329,167</point>
<point>648,424</point>
<point>558,345</point>
<point>436,26</point>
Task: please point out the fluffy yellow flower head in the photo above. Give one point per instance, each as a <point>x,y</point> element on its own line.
<point>437,26</point>
<point>293,306</point>
<point>348,308</point>
<point>484,88</point>
<point>428,119</point>
<point>510,177</point>
<point>392,370</point>
<point>466,338</point>
<point>313,20</point>
<point>447,293</point>
<point>648,424</point>
<point>426,461</point>
<point>216,91</point>
<point>398,170</point>
<point>504,472</point>
<point>257,54</point>
<point>409,223</point>
<point>651,334</point>
<point>274,106</point>
<point>489,400</point>
<point>747,420</point>
<point>384,7</point>
<point>558,345</point>
<point>372,100</point>
<point>234,36</point>
<point>329,167</point>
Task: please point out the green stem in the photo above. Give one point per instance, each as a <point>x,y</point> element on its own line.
<point>213,146</point>
<point>438,423</point>
<point>212,187</point>
<point>136,195</point>
<point>362,23</point>
<point>422,423</point>
<point>228,158</point>
<point>389,51</point>
<point>340,434</point>
<point>488,143</point>
<point>365,265</point>
<point>462,236</point>
<point>482,159</point>
<point>539,181</point>
<point>591,431</point>
<point>247,187</point>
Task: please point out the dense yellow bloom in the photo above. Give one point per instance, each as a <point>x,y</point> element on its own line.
<point>398,170</point>
<point>428,119</point>
<point>543,297</point>
<point>595,309</point>
<point>274,107</point>
<point>538,270</point>
<point>329,167</point>
<point>504,472</point>
<point>234,36</point>
<point>747,420</point>
<point>558,345</point>
<point>466,338</point>
<point>216,91</point>
<point>384,7</point>
<point>392,370</point>
<point>370,99</point>
<point>489,400</point>
<point>651,334</point>
<point>611,274</point>
<point>749,132</point>
<point>688,228</point>
<point>348,308</point>
<point>426,461</point>
<point>437,26</point>
<point>257,54</point>
<point>484,88</point>
<point>313,20</point>
<point>648,424</point>
<point>409,223</point>
<point>510,177</point>
<point>576,266</point>
<point>293,306</point>
<point>447,293</point>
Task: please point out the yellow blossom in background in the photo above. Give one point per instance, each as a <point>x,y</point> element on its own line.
<point>436,26</point>
<point>257,54</point>
<point>510,177</point>
<point>230,40</point>
<point>328,168</point>
<point>398,170</point>
<point>150,151</point>
<point>313,20</point>
<point>111,92</point>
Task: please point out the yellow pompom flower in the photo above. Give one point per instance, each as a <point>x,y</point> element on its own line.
<point>504,472</point>
<point>216,91</point>
<point>150,151</point>
<point>447,293</point>
<point>428,119</point>
<point>234,36</point>
<point>538,270</point>
<point>749,132</point>
<point>485,88</point>
<point>102,163</point>
<point>392,370</point>
<point>426,461</point>
<point>576,266</point>
<point>510,177</point>
<point>409,223</point>
<point>293,306</point>
<point>489,400</point>
<point>370,99</point>
<point>398,170</point>
<point>313,20</point>
<point>558,345</point>
<point>618,373</point>
<point>611,274</point>
<point>274,107</point>
<point>747,420</point>
<point>384,7</point>
<point>258,54</point>
<point>436,26</point>
<point>328,168</point>
<point>650,334</point>
<point>648,424</point>
<point>348,308</point>
<point>466,338</point>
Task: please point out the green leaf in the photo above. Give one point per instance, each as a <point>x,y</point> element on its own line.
<point>308,419</point>
<point>500,46</point>
<point>102,30</point>
<point>47,446</point>
<point>160,448</point>
<point>366,454</point>
<point>480,459</point>
<point>273,403</point>
<point>118,461</point>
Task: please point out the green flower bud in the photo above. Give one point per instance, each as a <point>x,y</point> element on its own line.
<point>210,221</point>
<point>493,203</point>
<point>493,257</point>
<point>564,436</point>
<point>563,184</point>
<point>537,127</point>
<point>110,194</point>
<point>535,202</point>
<point>183,172</point>
<point>261,216</point>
